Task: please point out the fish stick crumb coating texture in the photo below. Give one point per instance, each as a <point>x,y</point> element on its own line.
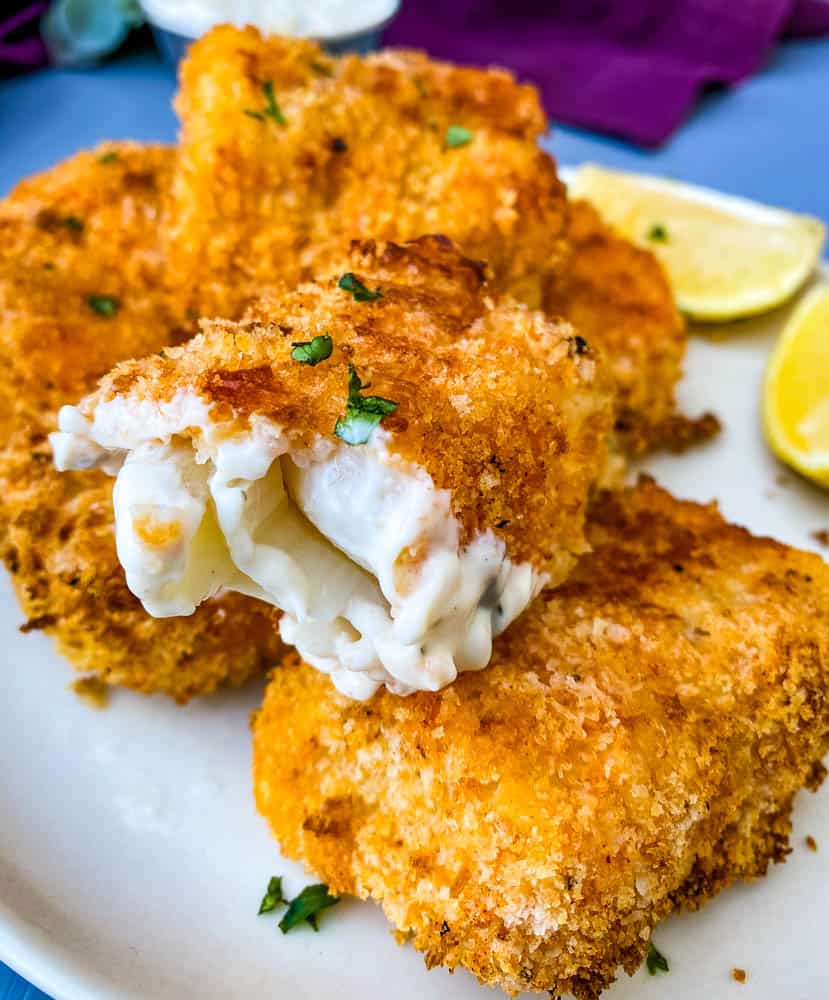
<point>498,404</point>
<point>618,298</point>
<point>352,148</point>
<point>89,227</point>
<point>634,745</point>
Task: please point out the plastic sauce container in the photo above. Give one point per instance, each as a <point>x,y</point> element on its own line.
<point>339,25</point>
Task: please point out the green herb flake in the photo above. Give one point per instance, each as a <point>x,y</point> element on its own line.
<point>73,223</point>
<point>311,352</point>
<point>273,897</point>
<point>656,961</point>
<point>351,283</point>
<point>362,413</point>
<point>271,109</point>
<point>306,907</point>
<point>104,305</point>
<point>658,233</point>
<point>457,135</point>
<point>109,157</point>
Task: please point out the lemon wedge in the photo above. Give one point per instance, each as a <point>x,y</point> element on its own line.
<point>726,257</point>
<point>796,391</point>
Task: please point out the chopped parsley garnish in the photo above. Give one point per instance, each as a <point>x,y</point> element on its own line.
<point>351,283</point>
<point>271,109</point>
<point>658,233</point>
<point>311,352</point>
<point>109,157</point>
<point>362,413</point>
<point>273,897</point>
<point>656,961</point>
<point>339,145</point>
<point>73,222</point>
<point>457,135</point>
<point>306,906</point>
<point>104,305</point>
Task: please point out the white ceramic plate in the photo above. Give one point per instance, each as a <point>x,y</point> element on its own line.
<point>132,860</point>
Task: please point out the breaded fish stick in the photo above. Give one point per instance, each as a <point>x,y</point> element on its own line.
<point>287,154</point>
<point>80,289</point>
<point>398,459</point>
<point>634,746</point>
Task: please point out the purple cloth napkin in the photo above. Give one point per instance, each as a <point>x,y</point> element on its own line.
<point>21,47</point>
<point>630,67</point>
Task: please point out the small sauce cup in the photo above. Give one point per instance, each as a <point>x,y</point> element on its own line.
<point>173,32</point>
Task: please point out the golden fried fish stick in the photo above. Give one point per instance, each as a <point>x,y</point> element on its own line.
<point>80,289</point>
<point>398,459</point>
<point>287,154</point>
<point>634,746</point>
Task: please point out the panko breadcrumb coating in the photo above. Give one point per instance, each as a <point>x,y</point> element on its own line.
<point>634,746</point>
<point>618,297</point>
<point>286,154</point>
<point>505,412</point>
<point>89,228</point>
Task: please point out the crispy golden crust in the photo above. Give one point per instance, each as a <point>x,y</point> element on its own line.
<point>495,402</point>
<point>90,227</point>
<point>361,155</point>
<point>617,296</point>
<point>635,744</point>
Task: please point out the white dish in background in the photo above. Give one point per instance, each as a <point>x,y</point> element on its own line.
<point>340,25</point>
<point>132,860</point>
<point>320,19</point>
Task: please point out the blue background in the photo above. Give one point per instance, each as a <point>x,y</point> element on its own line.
<point>768,139</point>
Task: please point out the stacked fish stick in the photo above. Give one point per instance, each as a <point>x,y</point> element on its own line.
<point>345,385</point>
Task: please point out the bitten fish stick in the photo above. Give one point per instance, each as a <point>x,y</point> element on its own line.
<point>633,746</point>
<point>399,459</point>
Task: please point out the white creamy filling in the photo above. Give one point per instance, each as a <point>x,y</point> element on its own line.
<point>357,547</point>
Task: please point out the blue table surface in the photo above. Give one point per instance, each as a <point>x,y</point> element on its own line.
<point>767,139</point>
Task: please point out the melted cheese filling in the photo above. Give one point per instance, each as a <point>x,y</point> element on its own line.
<point>357,548</point>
